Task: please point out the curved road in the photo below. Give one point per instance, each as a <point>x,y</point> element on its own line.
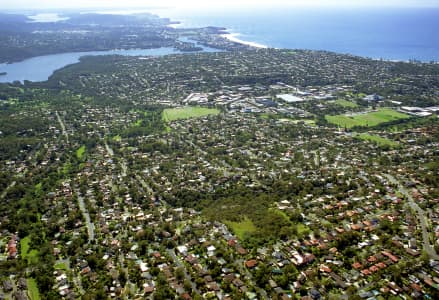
<point>421,216</point>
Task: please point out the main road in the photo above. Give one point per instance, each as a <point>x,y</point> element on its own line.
<point>423,221</point>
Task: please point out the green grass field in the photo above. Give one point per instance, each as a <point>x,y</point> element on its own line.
<point>268,116</point>
<point>137,123</point>
<point>300,121</point>
<point>377,139</point>
<point>368,119</point>
<point>117,138</point>
<point>172,114</point>
<point>302,228</point>
<point>30,256</point>
<point>32,289</point>
<point>282,214</point>
<point>345,103</point>
<point>60,266</point>
<point>3,255</point>
<point>80,152</point>
<point>66,168</point>
<point>240,228</point>
<point>24,246</point>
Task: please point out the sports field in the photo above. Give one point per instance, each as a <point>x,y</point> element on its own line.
<point>345,103</point>
<point>377,139</point>
<point>369,119</point>
<point>172,114</point>
<point>299,121</point>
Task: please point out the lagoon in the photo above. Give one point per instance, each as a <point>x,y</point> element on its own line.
<point>40,68</point>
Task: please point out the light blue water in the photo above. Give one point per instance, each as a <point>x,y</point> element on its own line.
<point>47,17</point>
<point>393,34</point>
<point>390,33</point>
<point>41,67</point>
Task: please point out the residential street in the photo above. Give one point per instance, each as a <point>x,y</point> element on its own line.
<point>421,216</point>
<point>63,127</point>
<point>89,224</point>
<point>180,264</point>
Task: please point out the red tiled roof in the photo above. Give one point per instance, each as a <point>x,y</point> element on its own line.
<point>241,251</point>
<point>357,265</point>
<point>251,263</point>
<point>416,287</point>
<point>381,265</point>
<point>325,269</point>
<point>356,226</point>
<point>372,259</point>
<point>365,272</point>
<point>148,289</point>
<point>390,255</point>
<point>374,269</point>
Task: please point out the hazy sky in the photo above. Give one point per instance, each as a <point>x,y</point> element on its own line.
<point>43,4</point>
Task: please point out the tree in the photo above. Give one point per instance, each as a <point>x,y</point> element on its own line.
<point>122,277</point>
<point>187,286</point>
<point>262,275</point>
<point>179,273</point>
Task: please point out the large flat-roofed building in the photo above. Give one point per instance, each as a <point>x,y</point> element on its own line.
<point>290,98</point>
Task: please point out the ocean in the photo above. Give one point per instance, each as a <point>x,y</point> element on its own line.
<point>387,33</point>
<point>392,34</point>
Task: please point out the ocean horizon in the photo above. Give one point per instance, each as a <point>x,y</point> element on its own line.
<point>401,34</point>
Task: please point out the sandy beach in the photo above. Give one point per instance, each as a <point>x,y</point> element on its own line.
<point>175,25</point>
<point>234,38</point>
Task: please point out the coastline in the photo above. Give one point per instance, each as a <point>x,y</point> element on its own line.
<point>175,25</point>
<point>233,37</point>
<point>46,18</point>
